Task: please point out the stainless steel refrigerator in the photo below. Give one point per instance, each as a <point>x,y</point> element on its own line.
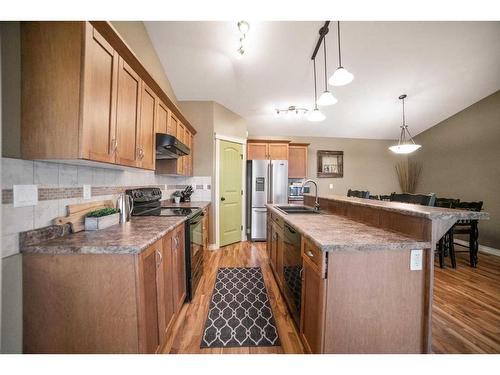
<point>267,182</point>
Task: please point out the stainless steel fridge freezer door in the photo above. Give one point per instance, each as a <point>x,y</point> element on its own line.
<point>279,181</point>
<point>259,183</point>
<point>259,221</point>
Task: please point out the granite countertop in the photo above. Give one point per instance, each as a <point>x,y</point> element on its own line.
<point>333,232</point>
<point>410,209</point>
<point>129,238</point>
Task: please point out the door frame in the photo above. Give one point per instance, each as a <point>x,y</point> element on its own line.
<point>243,142</point>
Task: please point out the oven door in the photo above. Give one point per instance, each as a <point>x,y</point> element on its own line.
<point>292,271</point>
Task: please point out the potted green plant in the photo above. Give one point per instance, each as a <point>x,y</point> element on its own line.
<point>102,218</point>
<point>176,195</point>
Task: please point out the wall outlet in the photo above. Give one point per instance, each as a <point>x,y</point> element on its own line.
<point>416,260</point>
<point>25,195</point>
<point>331,186</point>
<point>87,192</point>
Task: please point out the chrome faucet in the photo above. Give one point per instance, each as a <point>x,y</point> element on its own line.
<point>316,203</point>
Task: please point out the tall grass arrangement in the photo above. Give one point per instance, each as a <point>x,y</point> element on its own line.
<point>408,172</point>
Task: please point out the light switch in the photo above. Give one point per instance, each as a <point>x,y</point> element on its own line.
<point>25,195</point>
<point>416,260</point>
<point>87,192</point>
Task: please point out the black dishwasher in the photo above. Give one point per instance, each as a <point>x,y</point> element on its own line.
<point>292,271</point>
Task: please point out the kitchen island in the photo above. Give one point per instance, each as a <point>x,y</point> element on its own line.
<point>365,272</point>
<point>116,290</point>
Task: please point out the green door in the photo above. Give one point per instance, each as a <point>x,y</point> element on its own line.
<point>230,175</point>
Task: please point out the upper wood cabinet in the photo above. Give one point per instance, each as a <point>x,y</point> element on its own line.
<point>297,160</point>
<point>85,95</point>
<point>99,98</point>
<point>128,116</point>
<point>147,133</point>
<point>267,150</point>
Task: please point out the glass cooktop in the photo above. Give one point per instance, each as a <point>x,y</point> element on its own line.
<point>177,211</point>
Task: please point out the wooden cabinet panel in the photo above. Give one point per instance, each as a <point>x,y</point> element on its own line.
<point>278,151</point>
<point>165,282</point>
<point>149,322</point>
<point>179,268</point>
<point>297,161</point>
<point>146,147</point>
<point>257,151</point>
<point>312,309</point>
<point>99,98</point>
<point>180,132</point>
<point>172,125</point>
<point>127,115</point>
<point>162,117</point>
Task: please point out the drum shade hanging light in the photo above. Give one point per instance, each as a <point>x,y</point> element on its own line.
<point>406,144</point>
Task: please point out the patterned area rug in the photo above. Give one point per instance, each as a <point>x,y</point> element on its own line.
<point>240,314</point>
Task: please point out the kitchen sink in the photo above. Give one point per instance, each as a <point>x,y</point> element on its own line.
<point>297,210</point>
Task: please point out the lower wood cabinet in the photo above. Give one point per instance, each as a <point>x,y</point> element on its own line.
<point>104,303</point>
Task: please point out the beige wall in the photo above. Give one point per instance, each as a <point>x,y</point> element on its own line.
<point>137,38</point>
<point>368,164</point>
<point>228,123</point>
<point>461,159</point>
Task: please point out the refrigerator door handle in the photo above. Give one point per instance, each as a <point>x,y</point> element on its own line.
<point>267,184</point>
<point>271,182</point>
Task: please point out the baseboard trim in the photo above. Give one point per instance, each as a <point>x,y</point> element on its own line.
<point>213,246</point>
<point>482,248</point>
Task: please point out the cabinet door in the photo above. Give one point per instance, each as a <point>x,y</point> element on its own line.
<point>297,161</point>
<point>166,288</point>
<point>257,151</point>
<point>179,268</point>
<point>99,98</point>
<point>274,248</point>
<point>149,302</point>
<point>127,115</point>
<point>181,132</point>
<point>278,151</point>
<point>163,117</point>
<point>172,125</point>
<point>312,310</point>
<point>188,162</point>
<point>146,148</point>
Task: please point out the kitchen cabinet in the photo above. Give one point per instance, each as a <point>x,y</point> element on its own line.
<point>147,133</point>
<point>127,116</point>
<point>267,150</point>
<point>163,117</point>
<point>104,303</point>
<point>297,160</point>
<point>178,265</point>
<point>82,95</point>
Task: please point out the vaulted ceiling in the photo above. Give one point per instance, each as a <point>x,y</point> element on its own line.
<point>443,67</point>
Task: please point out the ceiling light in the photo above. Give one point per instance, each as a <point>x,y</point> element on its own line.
<point>405,145</point>
<point>326,98</point>
<point>341,76</point>
<point>244,27</point>
<point>315,115</point>
<point>291,110</point>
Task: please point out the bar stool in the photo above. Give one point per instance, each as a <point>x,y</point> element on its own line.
<point>445,243</point>
<point>469,227</point>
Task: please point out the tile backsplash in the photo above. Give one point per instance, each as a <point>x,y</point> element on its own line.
<point>62,184</point>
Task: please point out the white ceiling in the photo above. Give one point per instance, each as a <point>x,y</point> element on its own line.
<point>443,67</point>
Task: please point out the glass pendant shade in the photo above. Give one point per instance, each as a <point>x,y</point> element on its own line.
<point>316,116</point>
<point>326,98</point>
<point>407,148</point>
<point>341,77</point>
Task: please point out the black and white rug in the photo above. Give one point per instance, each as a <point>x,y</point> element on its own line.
<point>239,314</point>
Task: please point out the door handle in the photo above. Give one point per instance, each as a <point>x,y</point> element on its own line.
<point>222,199</point>
<point>310,253</point>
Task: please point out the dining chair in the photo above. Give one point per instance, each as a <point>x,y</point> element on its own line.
<point>358,193</point>
<point>422,199</point>
<point>469,227</point>
<point>445,244</point>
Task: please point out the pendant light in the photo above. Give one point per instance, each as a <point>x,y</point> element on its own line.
<point>405,145</point>
<point>341,76</point>
<point>315,115</point>
<point>326,98</point>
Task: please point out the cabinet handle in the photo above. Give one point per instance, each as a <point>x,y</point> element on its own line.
<point>310,253</point>
<point>140,151</point>
<point>114,146</point>
<point>161,258</point>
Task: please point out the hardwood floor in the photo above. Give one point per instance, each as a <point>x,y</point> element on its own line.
<point>466,311</point>
<point>189,327</point>
<point>466,308</point>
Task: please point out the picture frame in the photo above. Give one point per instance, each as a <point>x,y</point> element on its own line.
<point>330,164</point>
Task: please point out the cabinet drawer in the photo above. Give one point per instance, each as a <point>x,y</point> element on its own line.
<point>315,255</point>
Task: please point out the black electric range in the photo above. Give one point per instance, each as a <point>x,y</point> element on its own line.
<point>146,202</point>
